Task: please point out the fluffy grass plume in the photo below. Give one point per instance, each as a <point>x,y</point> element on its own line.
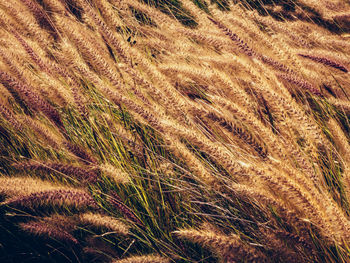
<point>174,131</point>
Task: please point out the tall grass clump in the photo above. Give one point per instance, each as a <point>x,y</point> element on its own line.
<point>174,131</point>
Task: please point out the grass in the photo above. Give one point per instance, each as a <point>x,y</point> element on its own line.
<point>200,148</point>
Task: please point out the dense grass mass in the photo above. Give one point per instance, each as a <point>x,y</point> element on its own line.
<point>174,131</point>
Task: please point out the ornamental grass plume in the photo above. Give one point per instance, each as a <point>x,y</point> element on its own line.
<point>9,116</point>
<point>180,150</point>
<point>54,90</point>
<point>22,186</point>
<point>228,248</point>
<point>279,28</point>
<point>44,229</point>
<point>6,20</point>
<point>31,98</point>
<point>56,227</point>
<point>295,240</point>
<point>111,18</point>
<point>7,58</point>
<point>156,15</point>
<point>164,92</point>
<point>216,151</point>
<point>41,16</point>
<point>80,152</point>
<point>340,140</point>
<point>285,246</point>
<point>115,200</point>
<point>42,131</point>
<point>33,55</point>
<point>27,22</point>
<point>118,176</point>
<point>143,259</point>
<point>77,198</point>
<point>55,6</point>
<point>103,65</point>
<point>326,61</point>
<point>240,132</point>
<point>275,64</point>
<point>104,30</point>
<point>84,174</point>
<point>285,213</point>
<point>16,95</point>
<point>64,222</point>
<point>303,84</point>
<point>272,141</point>
<point>52,69</point>
<point>142,112</point>
<point>104,221</point>
<point>216,42</point>
<point>325,215</point>
<point>78,99</point>
<point>234,37</point>
<point>88,51</point>
<point>222,84</point>
<point>341,105</point>
<point>292,113</point>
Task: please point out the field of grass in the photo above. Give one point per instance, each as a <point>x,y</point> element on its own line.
<point>174,131</point>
